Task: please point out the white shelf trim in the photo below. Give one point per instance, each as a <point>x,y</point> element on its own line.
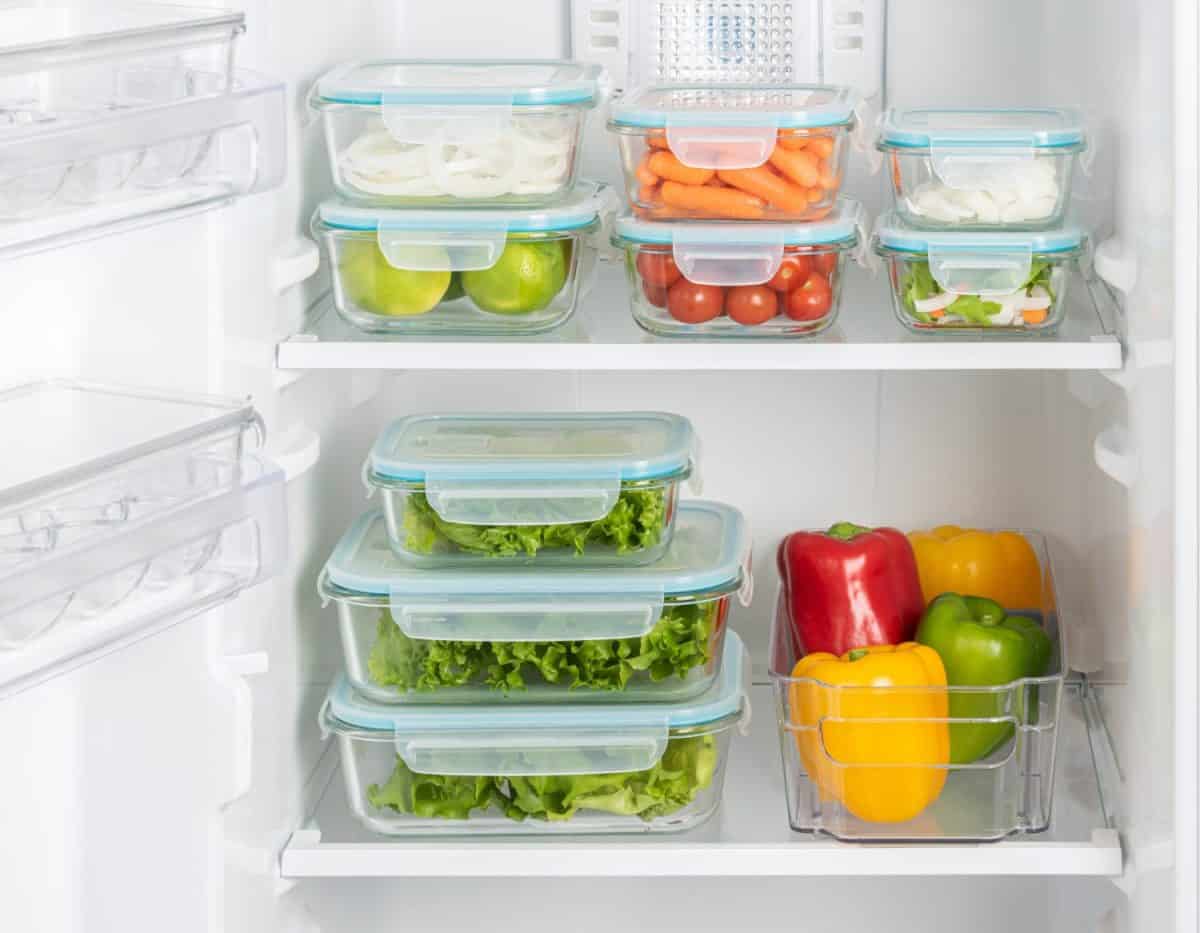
<point>603,337</point>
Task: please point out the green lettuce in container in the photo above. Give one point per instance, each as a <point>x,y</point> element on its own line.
<point>509,769</point>
<point>579,488</point>
<point>518,633</point>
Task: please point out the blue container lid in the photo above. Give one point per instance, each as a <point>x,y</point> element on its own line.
<point>708,555</point>
<point>581,208</point>
<point>401,82</point>
<point>892,233</point>
<point>723,699</point>
<point>630,446</point>
<point>997,128</point>
<point>787,106</point>
<point>840,226</point>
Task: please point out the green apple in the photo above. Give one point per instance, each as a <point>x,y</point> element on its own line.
<point>525,279</point>
<point>375,285</point>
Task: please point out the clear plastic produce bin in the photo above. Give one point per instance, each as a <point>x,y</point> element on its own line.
<point>978,282</point>
<point>988,169</point>
<point>455,132</point>
<point>480,272</point>
<point>69,63</point>
<point>478,635</point>
<point>575,488</point>
<point>121,511</point>
<point>734,152</point>
<point>476,770</point>
<point>695,279</point>
<point>874,763</point>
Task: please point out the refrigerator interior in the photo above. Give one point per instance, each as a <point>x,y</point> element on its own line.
<point>162,783</point>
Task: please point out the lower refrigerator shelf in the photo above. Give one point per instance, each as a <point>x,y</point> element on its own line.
<point>749,834</point>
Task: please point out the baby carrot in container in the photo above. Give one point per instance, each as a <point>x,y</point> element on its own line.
<point>735,152</point>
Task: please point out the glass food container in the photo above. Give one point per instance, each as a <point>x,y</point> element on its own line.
<point>734,152</point>
<point>882,764</point>
<point>456,133</point>
<point>476,770</point>
<point>467,272</point>
<point>66,63</point>
<point>978,282</point>
<point>527,635</point>
<point>695,279</point>
<point>576,488</point>
<point>986,169</point>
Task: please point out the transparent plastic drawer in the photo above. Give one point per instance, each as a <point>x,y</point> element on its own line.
<point>906,764</point>
<point>120,168</point>
<point>66,61</point>
<point>109,492</point>
<point>76,602</point>
<point>538,770</point>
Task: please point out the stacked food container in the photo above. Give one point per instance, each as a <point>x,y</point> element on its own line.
<point>735,226</point>
<point>535,628</point>
<point>978,240</point>
<point>458,209</point>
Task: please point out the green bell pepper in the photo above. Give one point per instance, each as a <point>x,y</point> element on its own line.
<point>982,646</point>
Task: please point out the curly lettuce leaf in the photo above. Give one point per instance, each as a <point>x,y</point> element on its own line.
<point>680,642</point>
<point>918,284</point>
<point>686,768</point>
<point>434,795</point>
<point>635,523</point>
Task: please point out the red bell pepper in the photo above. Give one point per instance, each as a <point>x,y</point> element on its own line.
<point>850,587</point>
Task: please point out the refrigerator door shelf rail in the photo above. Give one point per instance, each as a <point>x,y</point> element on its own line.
<point>122,169</point>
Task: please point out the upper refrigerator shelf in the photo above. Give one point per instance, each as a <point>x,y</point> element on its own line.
<point>122,511</point>
<point>116,116</point>
<point>603,337</point>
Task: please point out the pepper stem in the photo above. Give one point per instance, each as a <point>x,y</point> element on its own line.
<point>844,531</point>
<point>857,654</point>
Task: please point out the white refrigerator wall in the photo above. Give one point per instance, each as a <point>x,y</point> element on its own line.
<point>157,786</point>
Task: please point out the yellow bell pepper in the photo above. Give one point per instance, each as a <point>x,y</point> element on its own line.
<point>840,712</point>
<point>999,565</point>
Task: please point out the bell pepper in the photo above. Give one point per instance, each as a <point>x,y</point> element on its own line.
<point>850,587</point>
<point>999,565</point>
<point>840,712</point>
<point>982,646</point>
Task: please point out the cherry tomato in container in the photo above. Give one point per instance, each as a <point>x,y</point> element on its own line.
<point>657,268</point>
<point>812,300</point>
<point>792,272</point>
<point>751,304</point>
<point>694,304</point>
<point>655,294</point>
<point>825,263</point>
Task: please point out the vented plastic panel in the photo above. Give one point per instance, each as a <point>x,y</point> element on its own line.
<point>644,42</point>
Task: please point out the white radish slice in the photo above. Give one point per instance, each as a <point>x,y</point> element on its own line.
<point>1010,308</point>
<point>934,302</point>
